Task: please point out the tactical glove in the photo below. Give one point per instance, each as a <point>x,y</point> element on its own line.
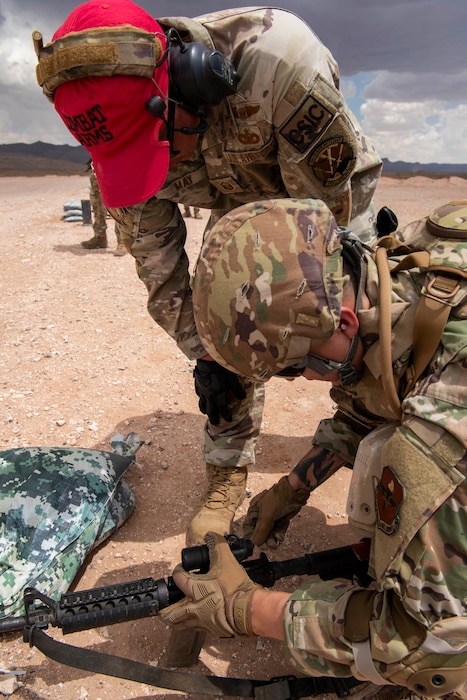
<point>218,601</point>
<point>271,511</point>
<point>213,384</point>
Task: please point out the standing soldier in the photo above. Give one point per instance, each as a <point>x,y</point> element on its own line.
<point>99,219</point>
<point>223,109</point>
<point>187,212</point>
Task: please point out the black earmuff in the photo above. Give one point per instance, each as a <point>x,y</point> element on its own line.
<point>198,76</point>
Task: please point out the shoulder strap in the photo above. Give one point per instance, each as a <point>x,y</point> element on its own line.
<point>286,688</point>
<point>431,316</point>
<point>387,376</point>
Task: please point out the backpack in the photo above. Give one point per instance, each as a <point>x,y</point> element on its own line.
<point>56,505</point>
<point>436,243</point>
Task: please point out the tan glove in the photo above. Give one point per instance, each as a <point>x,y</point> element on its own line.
<point>218,601</point>
<point>271,511</point>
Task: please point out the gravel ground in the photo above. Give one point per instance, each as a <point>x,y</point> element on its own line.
<point>81,360</point>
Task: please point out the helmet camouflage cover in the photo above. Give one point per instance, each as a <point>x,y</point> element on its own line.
<point>268,285</point>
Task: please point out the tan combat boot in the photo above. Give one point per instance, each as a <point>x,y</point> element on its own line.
<point>120,249</point>
<point>223,494</point>
<point>99,240</point>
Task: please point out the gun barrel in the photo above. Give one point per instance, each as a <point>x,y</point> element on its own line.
<point>96,607</point>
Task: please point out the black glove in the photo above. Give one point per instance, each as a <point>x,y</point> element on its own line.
<point>213,384</point>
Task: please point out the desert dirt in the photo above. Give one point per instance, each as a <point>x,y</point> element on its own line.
<point>82,360</point>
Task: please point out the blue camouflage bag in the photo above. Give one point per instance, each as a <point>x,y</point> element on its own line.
<point>56,505</point>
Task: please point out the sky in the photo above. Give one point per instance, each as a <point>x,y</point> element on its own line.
<point>403,66</point>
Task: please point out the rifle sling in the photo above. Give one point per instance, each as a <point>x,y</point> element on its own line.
<point>286,688</point>
<point>431,315</point>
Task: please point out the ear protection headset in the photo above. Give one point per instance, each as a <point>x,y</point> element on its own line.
<point>198,78</point>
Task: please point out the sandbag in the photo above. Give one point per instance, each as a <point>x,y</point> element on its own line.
<point>56,505</point>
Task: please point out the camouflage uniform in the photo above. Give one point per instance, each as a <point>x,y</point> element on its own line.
<point>99,212</point>
<point>286,132</point>
<point>99,219</point>
<point>414,616</point>
<point>427,573</point>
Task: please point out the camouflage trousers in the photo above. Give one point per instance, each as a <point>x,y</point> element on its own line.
<point>99,211</point>
<point>233,444</point>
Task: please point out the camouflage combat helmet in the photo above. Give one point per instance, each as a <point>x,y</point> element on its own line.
<point>268,285</point>
<point>449,220</point>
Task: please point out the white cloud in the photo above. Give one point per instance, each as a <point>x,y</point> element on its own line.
<point>25,114</point>
<point>348,88</point>
<point>17,57</point>
<point>406,63</point>
<point>418,86</point>
<point>424,132</point>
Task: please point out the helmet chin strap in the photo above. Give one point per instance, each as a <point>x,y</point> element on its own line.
<point>348,375</point>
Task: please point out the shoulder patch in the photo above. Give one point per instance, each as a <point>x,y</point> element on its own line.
<point>306,124</point>
<point>333,161</point>
<point>389,496</point>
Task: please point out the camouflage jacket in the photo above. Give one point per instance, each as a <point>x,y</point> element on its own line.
<point>286,132</point>
<point>418,615</point>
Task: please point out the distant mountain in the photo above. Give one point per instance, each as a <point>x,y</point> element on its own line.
<point>46,159</point>
<point>443,169</point>
<point>42,159</point>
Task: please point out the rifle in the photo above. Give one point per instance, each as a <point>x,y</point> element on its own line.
<point>108,605</point>
<point>132,600</point>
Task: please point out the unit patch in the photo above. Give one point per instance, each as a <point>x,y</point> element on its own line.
<point>333,161</point>
<point>389,495</point>
<point>227,185</point>
<point>306,124</point>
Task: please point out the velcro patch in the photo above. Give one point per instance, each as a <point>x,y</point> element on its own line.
<point>249,156</point>
<point>227,185</point>
<point>306,124</point>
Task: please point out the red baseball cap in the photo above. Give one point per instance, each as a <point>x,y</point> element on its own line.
<point>108,115</point>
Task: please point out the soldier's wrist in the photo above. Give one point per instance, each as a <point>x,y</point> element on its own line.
<point>296,484</point>
<point>267,612</point>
